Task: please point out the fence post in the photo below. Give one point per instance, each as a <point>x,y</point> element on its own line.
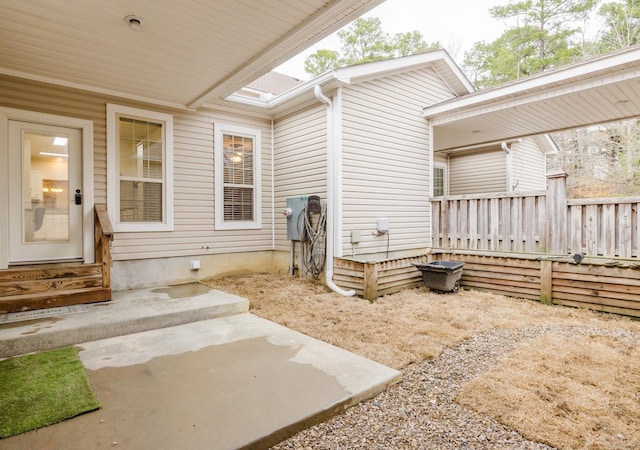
<point>370,281</point>
<point>546,282</point>
<point>556,229</point>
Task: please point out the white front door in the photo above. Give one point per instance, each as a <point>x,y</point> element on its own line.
<point>45,197</point>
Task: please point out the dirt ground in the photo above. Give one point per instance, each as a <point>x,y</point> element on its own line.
<point>584,381</point>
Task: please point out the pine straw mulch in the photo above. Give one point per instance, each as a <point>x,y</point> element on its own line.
<point>556,389</point>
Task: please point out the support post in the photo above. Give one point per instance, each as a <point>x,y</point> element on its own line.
<point>103,232</point>
<point>546,282</point>
<point>370,281</point>
<point>556,230</point>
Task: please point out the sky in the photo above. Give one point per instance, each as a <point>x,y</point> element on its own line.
<point>457,24</point>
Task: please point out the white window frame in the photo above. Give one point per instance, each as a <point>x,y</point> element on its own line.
<point>219,131</point>
<point>445,178</point>
<point>114,112</point>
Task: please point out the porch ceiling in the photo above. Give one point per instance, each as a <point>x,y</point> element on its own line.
<point>188,52</point>
<point>600,90</point>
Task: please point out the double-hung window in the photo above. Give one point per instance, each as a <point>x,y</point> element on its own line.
<point>237,175</point>
<point>439,180</point>
<point>139,166</point>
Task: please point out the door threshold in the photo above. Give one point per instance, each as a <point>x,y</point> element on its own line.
<point>42,263</point>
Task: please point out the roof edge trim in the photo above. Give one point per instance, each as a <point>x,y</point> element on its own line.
<point>536,81</point>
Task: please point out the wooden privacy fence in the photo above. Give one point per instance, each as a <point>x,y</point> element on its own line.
<point>538,222</point>
<point>520,245</point>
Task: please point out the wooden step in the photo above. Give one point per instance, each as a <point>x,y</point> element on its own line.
<point>52,299</point>
<point>51,285</point>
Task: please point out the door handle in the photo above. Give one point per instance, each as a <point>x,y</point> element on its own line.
<point>78,197</point>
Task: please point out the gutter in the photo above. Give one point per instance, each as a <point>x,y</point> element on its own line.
<point>331,194</point>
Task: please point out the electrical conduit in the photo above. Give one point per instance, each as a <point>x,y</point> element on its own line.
<point>330,194</point>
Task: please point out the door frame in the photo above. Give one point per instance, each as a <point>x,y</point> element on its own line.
<point>86,128</point>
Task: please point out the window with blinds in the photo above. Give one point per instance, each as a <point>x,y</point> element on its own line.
<point>238,177</point>
<point>237,174</point>
<point>141,174</point>
<point>139,160</point>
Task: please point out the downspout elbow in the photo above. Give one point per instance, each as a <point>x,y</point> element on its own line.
<point>334,287</point>
<point>317,90</point>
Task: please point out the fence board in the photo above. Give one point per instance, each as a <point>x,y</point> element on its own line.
<point>494,224</point>
<point>590,241</point>
<point>614,290</point>
<point>624,230</point>
<point>528,231</point>
<point>473,224</point>
<point>512,223</point>
<point>483,224</point>
<point>435,224</point>
<point>576,229</point>
<point>541,224</point>
<point>608,229</point>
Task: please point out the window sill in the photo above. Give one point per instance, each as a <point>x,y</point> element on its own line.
<point>225,226</point>
<point>141,227</point>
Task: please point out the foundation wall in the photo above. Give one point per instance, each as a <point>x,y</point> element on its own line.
<point>141,273</point>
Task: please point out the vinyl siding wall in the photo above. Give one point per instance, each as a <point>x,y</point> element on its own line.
<point>193,179</point>
<point>529,166</point>
<point>478,172</point>
<point>300,162</point>
<point>386,162</point>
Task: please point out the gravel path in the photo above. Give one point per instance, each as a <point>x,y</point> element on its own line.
<point>420,413</point>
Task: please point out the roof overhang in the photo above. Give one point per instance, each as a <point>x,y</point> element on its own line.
<point>303,94</point>
<point>186,53</point>
<point>603,89</point>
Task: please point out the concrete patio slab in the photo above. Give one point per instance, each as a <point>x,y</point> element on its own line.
<point>225,383</point>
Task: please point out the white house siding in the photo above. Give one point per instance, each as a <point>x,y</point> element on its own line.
<point>386,162</point>
<point>39,97</point>
<point>528,166</point>
<point>194,232</point>
<point>478,172</point>
<point>300,162</point>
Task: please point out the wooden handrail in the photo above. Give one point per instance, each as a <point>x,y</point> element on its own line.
<point>103,218</point>
<point>103,235</point>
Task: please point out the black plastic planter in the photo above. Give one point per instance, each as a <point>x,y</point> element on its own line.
<point>441,276</point>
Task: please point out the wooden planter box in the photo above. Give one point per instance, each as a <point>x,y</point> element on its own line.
<point>374,279</point>
<point>601,284</point>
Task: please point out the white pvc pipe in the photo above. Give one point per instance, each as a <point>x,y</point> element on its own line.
<point>509,165</point>
<point>330,195</point>
<point>273,188</point>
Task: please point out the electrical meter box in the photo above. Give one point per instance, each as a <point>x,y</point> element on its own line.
<point>295,221</point>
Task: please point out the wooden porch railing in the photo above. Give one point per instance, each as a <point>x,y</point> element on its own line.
<point>103,237</point>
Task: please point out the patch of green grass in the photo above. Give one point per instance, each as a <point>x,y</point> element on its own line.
<point>42,389</point>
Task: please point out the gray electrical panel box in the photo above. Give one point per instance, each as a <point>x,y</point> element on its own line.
<point>295,221</point>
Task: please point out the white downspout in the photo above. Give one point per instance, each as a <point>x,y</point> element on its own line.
<point>509,164</point>
<point>330,194</point>
<point>273,189</point>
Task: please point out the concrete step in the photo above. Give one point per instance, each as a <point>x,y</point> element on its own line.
<point>128,312</point>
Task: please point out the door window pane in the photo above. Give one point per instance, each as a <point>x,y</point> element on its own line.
<point>45,188</point>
